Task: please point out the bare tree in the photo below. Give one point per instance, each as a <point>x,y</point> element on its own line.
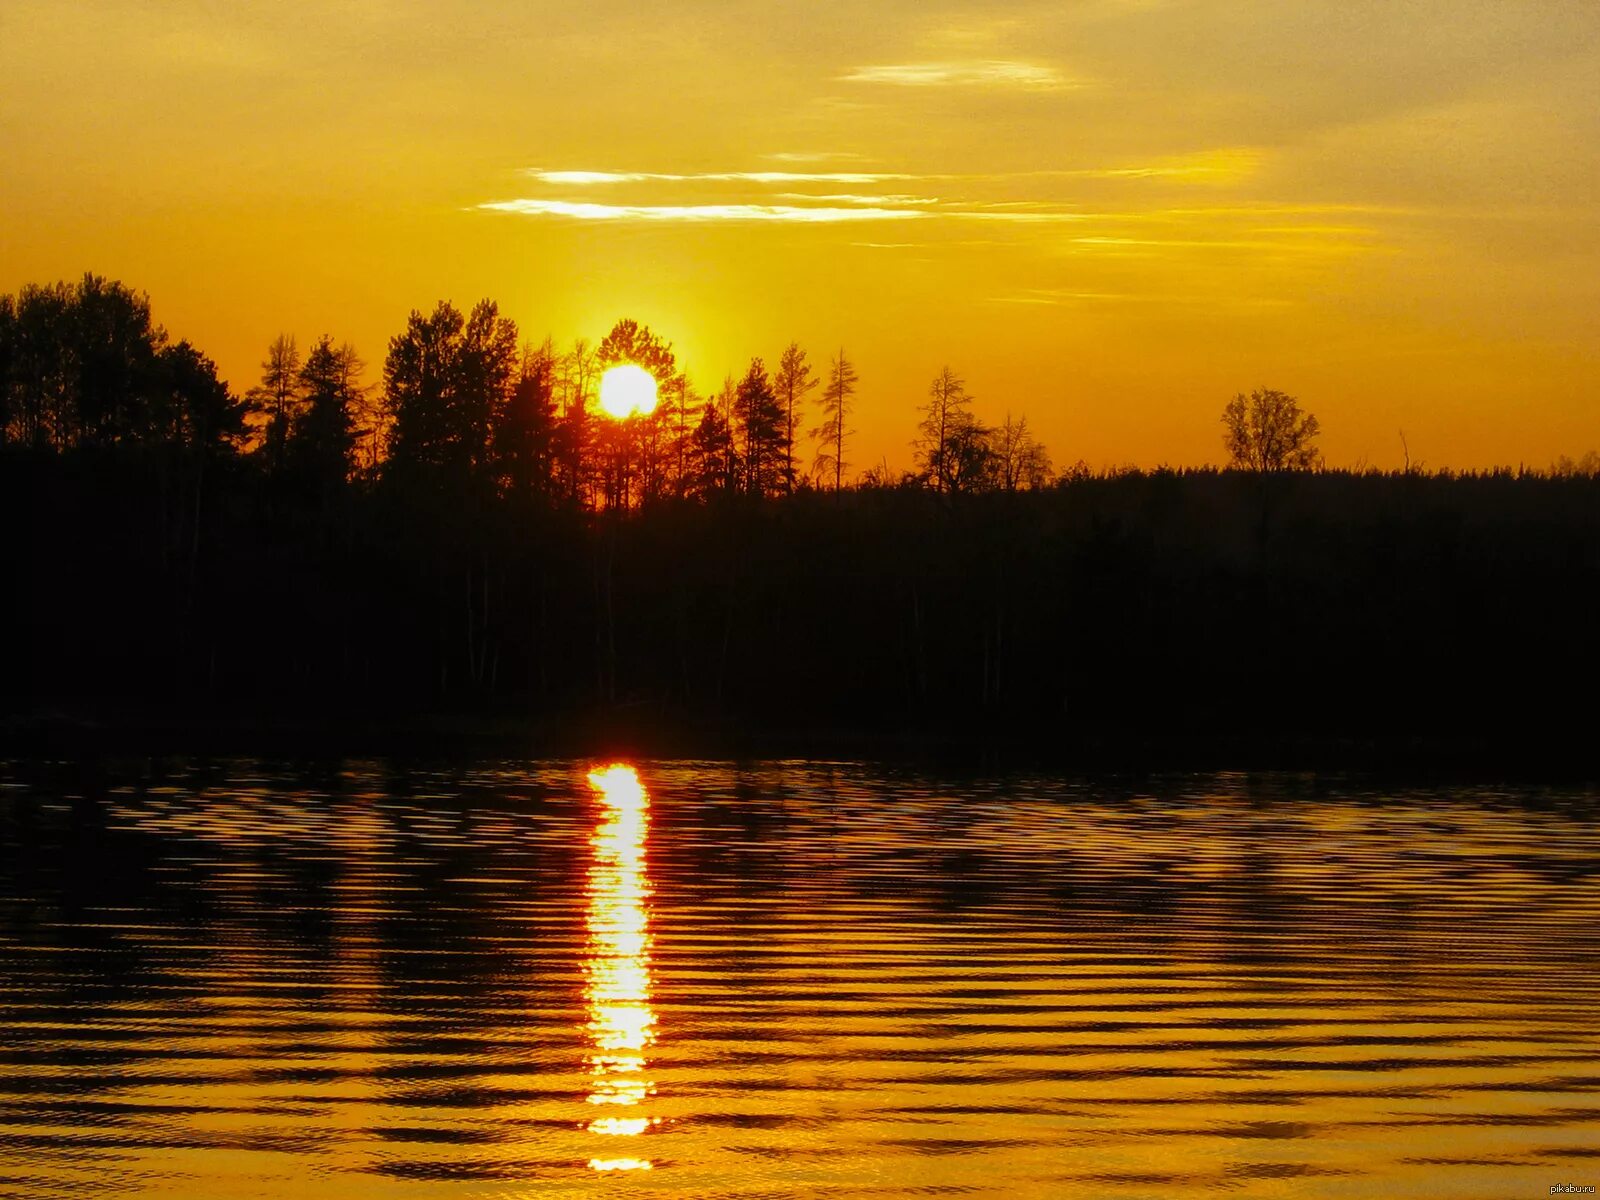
<point>832,432</point>
<point>1020,461</point>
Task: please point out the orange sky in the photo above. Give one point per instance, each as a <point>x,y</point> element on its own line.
<point>1109,215</point>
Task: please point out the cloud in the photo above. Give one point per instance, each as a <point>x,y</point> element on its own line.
<point>853,198</point>
<point>814,156</point>
<point>585,211</point>
<point>607,177</point>
<point>1060,296</point>
<point>864,208</point>
<point>1130,227</point>
<point>988,72</point>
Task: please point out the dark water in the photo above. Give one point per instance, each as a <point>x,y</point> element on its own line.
<point>512,980</point>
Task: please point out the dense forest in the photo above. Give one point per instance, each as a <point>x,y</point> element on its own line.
<point>474,536</point>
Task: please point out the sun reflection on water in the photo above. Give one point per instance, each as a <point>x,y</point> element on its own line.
<point>617,962</point>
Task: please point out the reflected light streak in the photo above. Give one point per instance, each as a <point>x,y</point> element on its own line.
<point>617,963</point>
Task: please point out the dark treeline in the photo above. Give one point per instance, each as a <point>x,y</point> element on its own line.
<point>474,536</point>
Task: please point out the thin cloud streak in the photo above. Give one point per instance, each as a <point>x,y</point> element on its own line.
<point>585,211</point>
<point>853,198</point>
<point>1062,296</point>
<point>1208,167</point>
<point>790,156</point>
<point>993,72</point>
<point>607,177</point>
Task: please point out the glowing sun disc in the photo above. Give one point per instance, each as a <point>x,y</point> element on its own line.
<point>626,390</point>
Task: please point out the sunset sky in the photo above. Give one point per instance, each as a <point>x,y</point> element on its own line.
<point>1109,215</point>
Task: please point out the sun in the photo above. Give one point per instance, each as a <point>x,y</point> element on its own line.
<point>627,390</point>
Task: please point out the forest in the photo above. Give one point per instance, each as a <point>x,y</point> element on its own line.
<point>474,537</point>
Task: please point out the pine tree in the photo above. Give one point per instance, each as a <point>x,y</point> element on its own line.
<point>758,417</point>
<point>830,435</point>
<point>792,383</point>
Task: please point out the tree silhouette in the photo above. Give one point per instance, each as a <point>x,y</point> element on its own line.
<point>199,412</point>
<point>680,415</point>
<point>1267,432</point>
<point>277,398</point>
<point>830,435</point>
<point>633,448</point>
<point>969,459</point>
<point>115,346</point>
<point>80,366</point>
<point>8,364</point>
<point>158,564</point>
<point>323,436</point>
<point>525,437</point>
<point>40,411</point>
<point>947,436</point>
<point>758,415</point>
<point>717,471</point>
<point>575,381</point>
<point>448,380</point>
<point>1019,460</point>
<point>793,382</point>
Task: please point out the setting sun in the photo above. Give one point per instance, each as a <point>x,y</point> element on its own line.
<point>627,390</point>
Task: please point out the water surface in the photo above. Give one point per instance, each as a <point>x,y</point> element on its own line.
<point>513,979</point>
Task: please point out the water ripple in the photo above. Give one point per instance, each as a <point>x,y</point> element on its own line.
<point>825,979</point>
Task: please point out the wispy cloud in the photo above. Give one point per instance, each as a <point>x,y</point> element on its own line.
<point>986,72</point>
<point>854,198</point>
<point>604,177</point>
<point>791,156</point>
<point>994,199</point>
<point>1216,165</point>
<point>1059,296</point>
<point>585,211</point>
<point>863,208</point>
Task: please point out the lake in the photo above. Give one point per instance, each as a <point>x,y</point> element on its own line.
<point>513,979</point>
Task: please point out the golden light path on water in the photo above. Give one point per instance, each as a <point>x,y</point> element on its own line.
<point>617,965</point>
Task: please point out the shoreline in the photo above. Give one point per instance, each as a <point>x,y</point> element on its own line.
<point>1563,757</point>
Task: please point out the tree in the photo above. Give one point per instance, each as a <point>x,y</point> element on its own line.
<point>80,366</point>
<point>1567,467</point>
<point>322,438</point>
<point>793,382</point>
<point>199,412</point>
<point>680,413</point>
<point>40,412</point>
<point>277,397</point>
<point>634,446</point>
<point>525,437</point>
<point>716,455</point>
<point>631,342</point>
<point>969,455</point>
<point>114,347</point>
<point>576,372</point>
<point>831,433</point>
<point>758,415</point>
<point>8,358</point>
<point>447,380</point>
<point>1020,461</point>
<point>1267,432</point>
<point>945,433</point>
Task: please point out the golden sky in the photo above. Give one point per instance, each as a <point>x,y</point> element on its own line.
<point>1109,215</point>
